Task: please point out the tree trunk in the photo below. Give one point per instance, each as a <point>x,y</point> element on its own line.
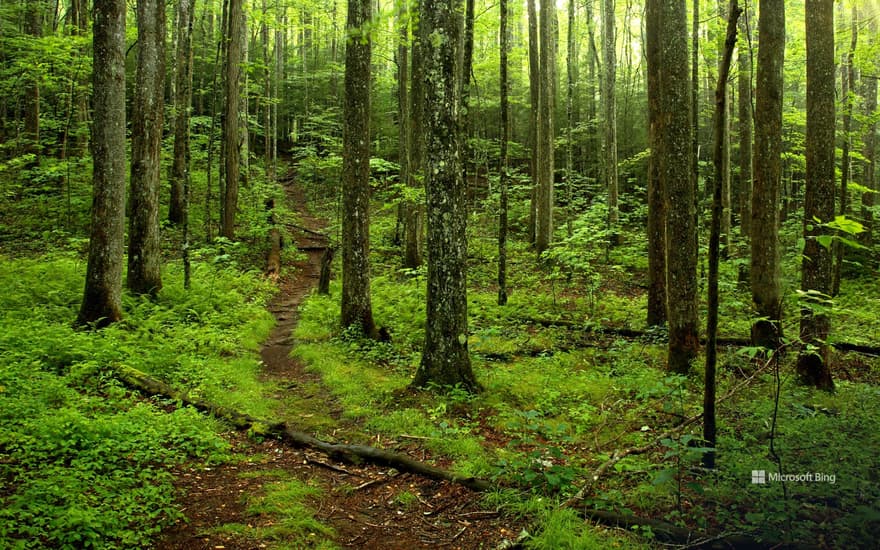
<point>816,269</point>
<point>744,84</point>
<point>402,56</point>
<point>357,309</point>
<point>764,267</point>
<point>656,196</point>
<point>676,170</point>
<point>182,110</point>
<point>610,115</point>
<point>34,28</point>
<point>231,126</point>
<point>144,251</point>
<point>571,70</point>
<point>546,106</point>
<point>720,143</point>
<point>869,151</point>
<point>102,298</point>
<point>445,359</point>
<point>412,256</point>
<point>467,57</point>
<point>534,116</point>
<point>503,176</point>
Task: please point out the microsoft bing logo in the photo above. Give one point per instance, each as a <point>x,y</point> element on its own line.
<point>759,476</point>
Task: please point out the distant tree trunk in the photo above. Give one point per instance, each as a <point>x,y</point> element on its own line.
<point>546,108</point>
<point>720,141</point>
<point>231,127</point>
<point>744,83</point>
<point>656,195</point>
<point>571,70</point>
<point>182,110</point>
<point>816,277</point>
<point>848,77</point>
<point>34,28</point>
<point>765,269</point>
<point>695,118</point>
<point>403,116</point>
<point>144,252</point>
<point>102,298</point>
<point>267,95</point>
<point>505,137</point>
<point>534,116</point>
<point>677,174</point>
<point>869,151</point>
<point>445,359</point>
<point>610,115</point>
<point>465,83</point>
<point>412,253</point>
<point>357,309</point>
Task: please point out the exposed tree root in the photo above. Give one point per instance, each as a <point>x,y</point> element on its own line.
<point>346,453</point>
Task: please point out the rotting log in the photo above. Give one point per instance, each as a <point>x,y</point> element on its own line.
<point>354,454</point>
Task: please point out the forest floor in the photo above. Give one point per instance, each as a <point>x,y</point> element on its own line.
<point>364,506</point>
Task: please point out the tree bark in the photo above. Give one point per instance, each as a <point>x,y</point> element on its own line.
<point>182,110</point>
<point>764,266</point>
<point>534,116</point>
<point>503,161</point>
<point>744,87</point>
<point>656,197</point>
<point>357,309</point>
<point>412,256</point>
<point>445,358</point>
<point>610,115</point>
<point>869,151</point>
<point>144,251</point>
<point>676,170</point>
<point>34,28</point>
<point>231,126</point>
<point>546,108</point>
<point>816,269</point>
<point>102,298</point>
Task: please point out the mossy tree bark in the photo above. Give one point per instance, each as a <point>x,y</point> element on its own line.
<point>764,266</point>
<point>102,298</point>
<point>656,203</point>
<point>676,172</point>
<point>357,308</point>
<point>445,359</point>
<point>144,252</point>
<point>816,269</point>
<point>546,107</point>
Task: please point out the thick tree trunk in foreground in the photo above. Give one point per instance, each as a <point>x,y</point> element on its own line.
<point>231,127</point>
<point>357,309</point>
<point>656,202</point>
<point>182,111</point>
<point>816,269</point>
<point>676,171</point>
<point>102,299</point>
<point>445,359</point>
<point>144,253</point>
<point>765,269</point>
<point>546,108</point>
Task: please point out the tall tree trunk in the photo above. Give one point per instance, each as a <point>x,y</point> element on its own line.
<point>505,137</point>
<point>656,196</point>
<point>678,177</point>
<point>610,115</point>
<point>144,252</point>
<point>764,268</point>
<point>182,110</point>
<point>546,108</point>
<point>231,126</point>
<point>534,116</point>
<point>848,77</point>
<point>412,256</point>
<point>571,73</point>
<point>267,95</point>
<point>465,83</point>
<point>34,28</point>
<point>816,276</point>
<point>402,57</point>
<point>869,151</point>
<point>744,85</point>
<point>102,298</point>
<point>445,359</point>
<point>720,142</point>
<point>357,308</point>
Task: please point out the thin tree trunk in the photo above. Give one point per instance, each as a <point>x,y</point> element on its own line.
<point>182,110</point>
<point>32,146</point>
<point>656,196</point>
<point>412,257</point>
<point>102,298</point>
<point>357,307</point>
<point>546,108</point>
<point>869,151</point>
<point>571,67</point>
<point>610,116</point>
<point>534,116</point>
<point>503,177</point>
<point>744,82</point>
<point>764,269</point>
<point>816,269</point>
<point>720,141</point>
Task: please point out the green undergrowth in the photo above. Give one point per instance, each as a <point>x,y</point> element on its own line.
<point>281,515</point>
<point>86,463</point>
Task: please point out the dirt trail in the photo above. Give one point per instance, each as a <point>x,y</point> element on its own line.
<point>366,506</point>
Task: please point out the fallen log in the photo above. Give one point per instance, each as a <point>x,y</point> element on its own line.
<point>307,230</point>
<point>353,454</point>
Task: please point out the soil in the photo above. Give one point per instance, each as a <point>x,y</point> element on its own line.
<point>366,506</point>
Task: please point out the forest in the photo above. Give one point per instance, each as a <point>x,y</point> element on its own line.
<point>439,274</point>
